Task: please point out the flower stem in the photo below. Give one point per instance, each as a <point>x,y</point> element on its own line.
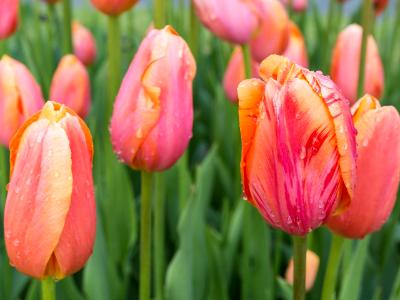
<point>367,25</point>
<point>145,236</point>
<point>300,249</point>
<point>193,30</point>
<point>48,289</point>
<point>247,60</point>
<point>114,61</point>
<point>335,255</point>
<point>159,13</point>
<point>67,37</point>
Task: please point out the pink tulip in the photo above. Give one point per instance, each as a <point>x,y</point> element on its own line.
<point>84,44</point>
<point>50,213</point>
<point>235,73</point>
<point>298,146</point>
<point>297,5</point>
<point>113,7</point>
<point>153,114</point>
<point>20,97</point>
<point>296,49</point>
<point>233,20</point>
<point>346,61</point>
<point>273,35</point>
<point>8,17</point>
<point>71,85</point>
<point>378,169</point>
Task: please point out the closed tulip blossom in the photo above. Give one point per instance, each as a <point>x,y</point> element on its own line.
<point>50,212</point>
<point>71,85</point>
<point>84,44</point>
<point>20,97</point>
<point>235,73</point>
<point>378,169</point>
<point>312,266</point>
<point>298,146</point>
<point>297,5</point>
<point>296,49</point>
<point>8,17</point>
<point>346,62</point>
<point>380,5</point>
<point>113,7</point>
<point>153,114</point>
<point>233,20</point>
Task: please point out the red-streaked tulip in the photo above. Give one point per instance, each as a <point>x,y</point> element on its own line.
<point>153,114</point>
<point>235,73</point>
<point>50,213</point>
<point>312,265</point>
<point>113,7</point>
<point>378,169</point>
<point>297,5</point>
<point>20,97</point>
<point>71,85</point>
<point>273,35</point>
<point>84,44</point>
<point>298,146</point>
<point>346,62</point>
<point>8,17</point>
<point>233,20</point>
<point>296,49</point>
<point>380,5</point>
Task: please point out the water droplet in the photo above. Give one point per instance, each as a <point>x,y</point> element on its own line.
<point>289,220</point>
<point>303,152</point>
<point>365,143</point>
<point>16,243</point>
<point>341,129</point>
<point>298,116</point>
<point>17,190</point>
<point>7,234</point>
<point>139,133</point>
<point>180,53</point>
<point>345,146</point>
<point>56,174</point>
<point>29,181</point>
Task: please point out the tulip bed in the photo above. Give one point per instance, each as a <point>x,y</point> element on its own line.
<point>174,218</point>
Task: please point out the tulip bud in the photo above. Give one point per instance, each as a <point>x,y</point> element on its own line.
<point>297,5</point>
<point>346,64</point>
<point>296,50</point>
<point>50,213</point>
<point>273,35</point>
<point>153,114</point>
<point>9,17</point>
<point>378,169</point>
<point>380,5</point>
<point>84,44</point>
<point>235,73</point>
<point>113,7</point>
<point>298,146</point>
<point>20,97</point>
<point>233,20</point>
<point>312,265</point>
<point>71,85</point>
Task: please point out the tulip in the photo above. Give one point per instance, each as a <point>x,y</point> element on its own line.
<point>71,85</point>
<point>51,1</point>
<point>9,17</point>
<point>298,146</point>
<point>235,73</point>
<point>233,20</point>
<point>273,35</point>
<point>20,97</point>
<point>84,44</point>
<point>378,172</point>
<point>153,114</point>
<point>50,213</point>
<point>380,5</point>
<point>346,62</point>
<point>312,265</point>
<point>297,5</point>
<point>113,7</point>
<point>296,50</point>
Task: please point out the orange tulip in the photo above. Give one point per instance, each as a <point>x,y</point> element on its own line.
<point>296,50</point>
<point>298,146</point>
<point>8,17</point>
<point>20,97</point>
<point>378,169</point>
<point>312,266</point>
<point>152,119</point>
<point>84,44</point>
<point>346,62</point>
<point>50,213</point>
<point>273,35</point>
<point>113,7</point>
<point>71,85</point>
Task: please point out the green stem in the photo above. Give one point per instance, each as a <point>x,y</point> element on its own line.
<point>328,33</point>
<point>335,255</point>
<point>247,60</point>
<point>114,61</point>
<point>67,36</point>
<point>50,32</point>
<point>159,236</point>
<point>300,250</point>
<point>159,13</point>
<point>145,236</point>
<point>48,289</point>
<point>246,276</point>
<point>194,30</point>
<point>367,20</point>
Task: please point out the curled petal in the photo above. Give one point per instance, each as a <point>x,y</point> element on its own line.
<point>296,49</point>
